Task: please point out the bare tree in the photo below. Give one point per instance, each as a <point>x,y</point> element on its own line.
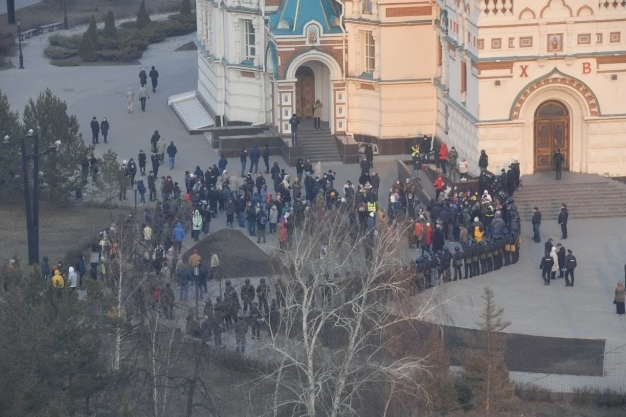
<point>344,298</point>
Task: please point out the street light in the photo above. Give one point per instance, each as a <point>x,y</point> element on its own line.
<point>32,214</point>
<point>65,26</point>
<point>19,40</point>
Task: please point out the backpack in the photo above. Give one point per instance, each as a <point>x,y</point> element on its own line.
<point>263,221</point>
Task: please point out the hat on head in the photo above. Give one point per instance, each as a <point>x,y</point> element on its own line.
<point>475,219</point>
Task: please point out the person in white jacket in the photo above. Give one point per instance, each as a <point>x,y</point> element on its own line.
<point>555,266</point>
<point>72,278</point>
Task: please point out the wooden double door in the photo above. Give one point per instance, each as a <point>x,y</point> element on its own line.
<point>305,92</point>
<point>552,132</point>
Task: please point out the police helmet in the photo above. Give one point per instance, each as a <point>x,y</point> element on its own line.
<point>247,281</point>
<point>457,249</point>
<point>262,280</point>
<point>227,282</point>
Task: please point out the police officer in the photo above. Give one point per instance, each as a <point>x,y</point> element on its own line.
<point>434,270</point>
<point>489,252</point>
<point>247,295</point>
<point>427,266</point>
<point>483,256</point>
<point>467,258</point>
<point>457,261</point>
<point>221,312</point>
<point>507,250</point>
<point>446,258</point>
<point>420,275</point>
<point>497,255</point>
<point>475,258</point>
<point>262,292</point>
<point>515,243</point>
<point>257,319</point>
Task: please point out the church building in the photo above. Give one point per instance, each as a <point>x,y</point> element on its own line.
<point>518,79</point>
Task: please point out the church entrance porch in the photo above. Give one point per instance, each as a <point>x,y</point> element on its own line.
<point>305,92</point>
<point>552,132</point>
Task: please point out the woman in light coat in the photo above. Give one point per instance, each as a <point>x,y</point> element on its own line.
<point>196,224</point>
<point>555,266</point>
<point>619,298</point>
<point>273,218</point>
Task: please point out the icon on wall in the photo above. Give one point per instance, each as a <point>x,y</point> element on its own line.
<point>555,42</point>
<point>312,35</point>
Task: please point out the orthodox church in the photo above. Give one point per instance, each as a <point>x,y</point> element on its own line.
<point>518,79</point>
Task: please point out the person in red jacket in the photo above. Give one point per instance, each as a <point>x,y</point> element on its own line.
<point>428,237</point>
<point>438,184</point>
<point>443,157</point>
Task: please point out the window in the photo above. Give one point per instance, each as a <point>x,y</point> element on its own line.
<point>250,41</point>
<point>370,52</point>
<point>463,81</point>
<point>367,6</point>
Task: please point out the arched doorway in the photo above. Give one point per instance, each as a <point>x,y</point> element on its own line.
<point>552,132</point>
<point>305,92</point>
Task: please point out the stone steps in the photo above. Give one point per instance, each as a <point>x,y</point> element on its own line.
<point>190,111</point>
<point>603,198</point>
<point>319,145</point>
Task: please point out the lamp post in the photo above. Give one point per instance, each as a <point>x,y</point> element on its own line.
<point>19,40</point>
<point>65,25</point>
<point>32,212</point>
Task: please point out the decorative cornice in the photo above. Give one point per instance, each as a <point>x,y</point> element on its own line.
<point>556,77</point>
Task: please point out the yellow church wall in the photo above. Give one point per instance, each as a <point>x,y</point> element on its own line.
<point>609,92</point>
<point>407,52</point>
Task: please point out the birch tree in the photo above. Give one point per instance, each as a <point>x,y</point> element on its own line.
<point>344,297</point>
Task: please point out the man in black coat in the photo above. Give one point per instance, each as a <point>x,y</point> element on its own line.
<point>546,267</point>
<point>154,139</point>
<point>570,265</point>
<point>154,77</point>
<point>558,159</point>
<point>104,128</point>
<point>141,159</point>
<point>563,216</point>
<point>95,130</point>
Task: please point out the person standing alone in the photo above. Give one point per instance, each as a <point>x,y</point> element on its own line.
<point>294,122</point>
<point>154,77</point>
<point>95,130</point>
<point>130,99</point>
<point>143,96</point>
<point>171,153</point>
<point>563,216</point>
<point>104,128</point>
<point>317,114</point>
<point>536,222</point>
<point>558,159</point>
<point>143,77</point>
<point>570,265</point>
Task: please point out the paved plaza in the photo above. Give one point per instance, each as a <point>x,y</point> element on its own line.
<point>584,311</point>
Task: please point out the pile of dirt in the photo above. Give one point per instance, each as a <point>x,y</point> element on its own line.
<point>239,257</point>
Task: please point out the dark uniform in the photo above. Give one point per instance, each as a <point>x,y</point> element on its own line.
<point>262,291</point>
<point>434,270</point>
<point>507,250</point>
<point>446,258</point>
<point>256,317</point>
<point>247,295</point>
<point>497,255</point>
<point>457,261</point>
<point>483,257</point>
<point>489,260</point>
<point>467,256</point>
<point>420,276</point>
<point>546,268</point>
<point>515,242</point>
<point>475,258</point>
